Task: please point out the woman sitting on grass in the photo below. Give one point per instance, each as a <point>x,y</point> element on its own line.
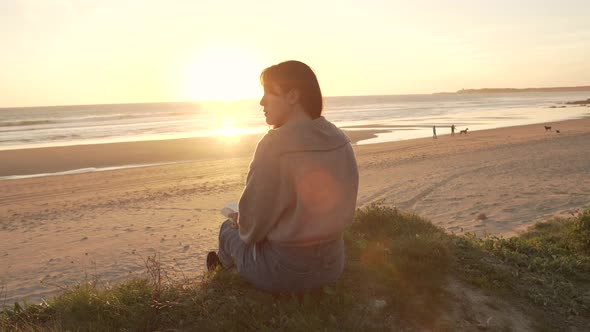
<point>300,193</point>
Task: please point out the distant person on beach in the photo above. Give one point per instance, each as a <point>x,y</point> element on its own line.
<point>434,132</point>
<point>300,193</point>
<point>453,130</point>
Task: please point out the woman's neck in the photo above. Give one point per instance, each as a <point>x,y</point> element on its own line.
<point>298,114</point>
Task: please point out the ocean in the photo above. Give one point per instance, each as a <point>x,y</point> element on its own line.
<point>405,116</point>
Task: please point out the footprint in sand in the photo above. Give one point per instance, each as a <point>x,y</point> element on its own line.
<point>481,216</point>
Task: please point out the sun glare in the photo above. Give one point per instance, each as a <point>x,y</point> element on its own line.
<point>229,130</point>
<point>224,73</point>
<point>228,133</point>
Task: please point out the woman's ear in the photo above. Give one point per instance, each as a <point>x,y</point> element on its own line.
<point>293,96</point>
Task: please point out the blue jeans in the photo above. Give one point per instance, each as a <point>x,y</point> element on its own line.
<point>278,268</point>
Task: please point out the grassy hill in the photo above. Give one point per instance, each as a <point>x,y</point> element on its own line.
<point>402,273</point>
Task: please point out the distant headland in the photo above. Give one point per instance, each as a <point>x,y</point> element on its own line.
<point>511,90</point>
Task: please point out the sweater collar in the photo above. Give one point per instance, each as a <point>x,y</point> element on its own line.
<point>308,135</point>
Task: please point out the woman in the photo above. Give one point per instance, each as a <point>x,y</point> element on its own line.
<point>300,192</point>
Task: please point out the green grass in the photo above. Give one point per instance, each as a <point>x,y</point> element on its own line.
<point>548,267</point>
<point>397,270</point>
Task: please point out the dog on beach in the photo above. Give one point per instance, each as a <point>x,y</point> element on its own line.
<point>547,128</point>
<point>464,131</point>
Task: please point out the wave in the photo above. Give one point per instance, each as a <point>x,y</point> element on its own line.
<point>84,170</point>
<point>102,118</point>
<point>26,123</point>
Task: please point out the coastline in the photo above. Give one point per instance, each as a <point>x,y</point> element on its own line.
<point>50,161</point>
<point>36,161</point>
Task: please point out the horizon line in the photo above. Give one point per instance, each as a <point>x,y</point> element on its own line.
<point>332,96</point>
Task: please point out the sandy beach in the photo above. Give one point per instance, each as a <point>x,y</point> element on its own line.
<point>58,230</point>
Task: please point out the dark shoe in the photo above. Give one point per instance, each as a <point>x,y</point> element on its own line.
<point>212,261</point>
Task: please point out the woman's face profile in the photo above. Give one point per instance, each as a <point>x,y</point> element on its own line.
<point>275,106</point>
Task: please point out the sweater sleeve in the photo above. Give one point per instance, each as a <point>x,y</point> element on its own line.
<point>260,207</point>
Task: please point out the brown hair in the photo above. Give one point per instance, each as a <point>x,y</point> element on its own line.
<point>296,75</point>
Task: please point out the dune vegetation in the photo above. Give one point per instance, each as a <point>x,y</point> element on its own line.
<point>402,273</point>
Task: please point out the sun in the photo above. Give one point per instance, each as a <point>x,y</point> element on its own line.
<point>223,73</point>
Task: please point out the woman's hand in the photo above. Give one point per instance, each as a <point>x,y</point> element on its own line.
<point>234,219</point>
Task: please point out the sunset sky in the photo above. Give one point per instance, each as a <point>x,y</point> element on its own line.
<point>57,52</point>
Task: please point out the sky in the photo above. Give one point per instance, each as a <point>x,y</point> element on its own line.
<point>63,52</point>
